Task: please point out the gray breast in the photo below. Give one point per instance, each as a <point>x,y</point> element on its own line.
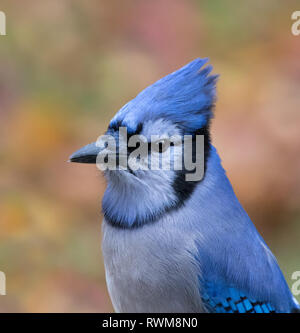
<point>151,269</point>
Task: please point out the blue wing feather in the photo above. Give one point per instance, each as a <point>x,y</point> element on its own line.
<point>237,270</point>
<point>222,299</point>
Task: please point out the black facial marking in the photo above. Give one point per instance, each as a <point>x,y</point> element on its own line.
<point>139,222</point>
<point>139,128</point>
<point>115,126</point>
<point>182,187</point>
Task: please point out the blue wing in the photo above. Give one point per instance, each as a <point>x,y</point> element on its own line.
<point>230,300</point>
<point>237,271</point>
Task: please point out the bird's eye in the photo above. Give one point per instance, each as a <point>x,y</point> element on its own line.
<point>160,146</point>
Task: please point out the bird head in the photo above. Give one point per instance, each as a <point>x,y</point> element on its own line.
<point>147,132</point>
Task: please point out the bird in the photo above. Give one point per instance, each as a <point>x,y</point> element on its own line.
<point>171,245</point>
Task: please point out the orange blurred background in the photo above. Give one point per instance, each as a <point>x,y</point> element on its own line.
<point>66,66</point>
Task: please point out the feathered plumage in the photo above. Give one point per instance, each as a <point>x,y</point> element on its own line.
<point>176,246</point>
<point>185,97</point>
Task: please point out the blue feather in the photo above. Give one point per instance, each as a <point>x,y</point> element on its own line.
<point>223,299</point>
<point>185,97</point>
<point>166,253</point>
<point>234,261</point>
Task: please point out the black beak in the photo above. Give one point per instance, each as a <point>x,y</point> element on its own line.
<point>86,154</point>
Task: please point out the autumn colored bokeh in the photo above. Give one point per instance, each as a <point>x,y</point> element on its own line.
<point>66,66</point>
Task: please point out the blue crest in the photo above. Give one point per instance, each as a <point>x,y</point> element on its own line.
<point>186,97</point>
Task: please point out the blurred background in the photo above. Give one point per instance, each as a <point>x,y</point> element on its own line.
<point>66,66</point>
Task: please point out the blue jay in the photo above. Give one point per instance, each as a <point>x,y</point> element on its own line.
<point>172,245</point>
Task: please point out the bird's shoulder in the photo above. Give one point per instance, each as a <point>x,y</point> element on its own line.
<point>242,276</point>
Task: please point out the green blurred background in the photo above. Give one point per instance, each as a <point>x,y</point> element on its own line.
<point>66,66</point>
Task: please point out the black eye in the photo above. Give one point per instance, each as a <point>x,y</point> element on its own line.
<point>160,146</point>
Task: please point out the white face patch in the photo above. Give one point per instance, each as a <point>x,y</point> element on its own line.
<point>165,146</point>
<point>141,194</point>
<point>148,182</point>
<point>142,150</point>
<point>159,127</point>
